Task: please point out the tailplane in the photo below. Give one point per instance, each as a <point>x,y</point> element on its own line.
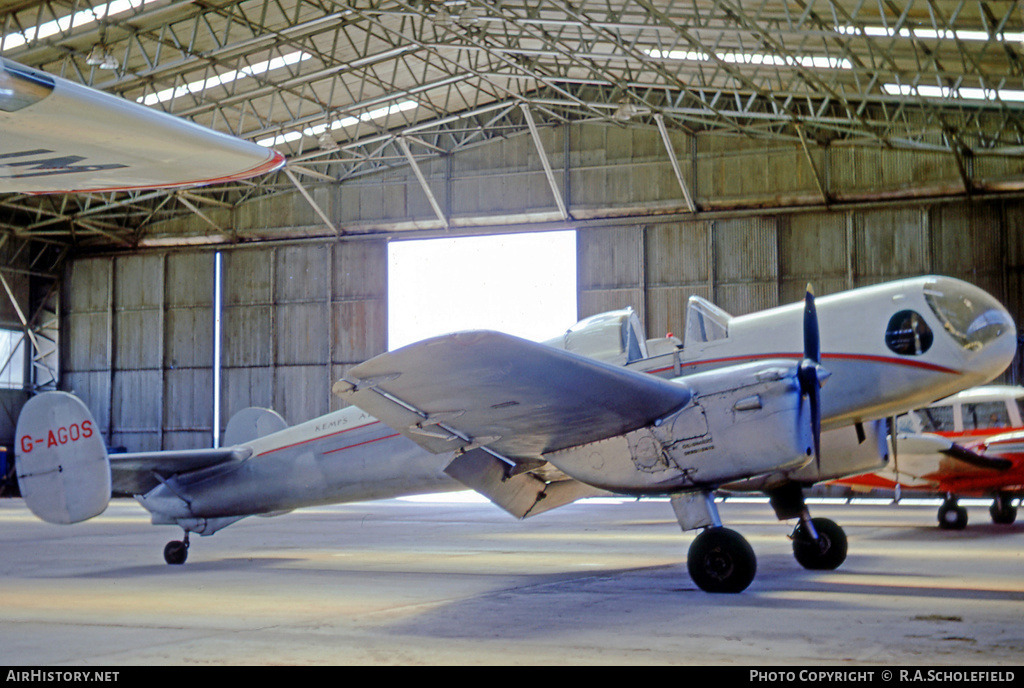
<point>62,464</point>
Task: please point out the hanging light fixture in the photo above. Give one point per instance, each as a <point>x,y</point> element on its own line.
<point>96,56</point>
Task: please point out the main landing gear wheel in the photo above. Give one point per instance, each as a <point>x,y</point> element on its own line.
<point>827,552</point>
<point>176,551</point>
<point>1002,510</point>
<point>721,560</point>
<point>952,516</point>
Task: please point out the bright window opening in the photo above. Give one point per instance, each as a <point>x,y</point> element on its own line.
<point>522,284</point>
<point>12,359</point>
<point>16,39</point>
<point>200,85</point>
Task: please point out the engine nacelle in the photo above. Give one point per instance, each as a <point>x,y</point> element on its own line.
<point>844,452</point>
<point>741,421</point>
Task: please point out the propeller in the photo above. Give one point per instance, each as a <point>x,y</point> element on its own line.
<point>810,374</point>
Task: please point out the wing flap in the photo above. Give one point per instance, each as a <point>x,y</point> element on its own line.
<point>522,495</point>
<point>518,398</point>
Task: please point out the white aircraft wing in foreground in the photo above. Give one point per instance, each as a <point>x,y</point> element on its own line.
<point>534,426</point>
<point>58,136</point>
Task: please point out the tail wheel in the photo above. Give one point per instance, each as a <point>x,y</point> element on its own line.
<point>721,560</point>
<point>176,552</point>
<point>827,552</point>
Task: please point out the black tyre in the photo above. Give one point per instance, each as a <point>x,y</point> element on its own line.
<point>721,560</point>
<point>952,517</point>
<point>175,552</point>
<point>1002,511</point>
<point>827,553</point>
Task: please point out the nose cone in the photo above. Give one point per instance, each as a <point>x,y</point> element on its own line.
<point>978,324</point>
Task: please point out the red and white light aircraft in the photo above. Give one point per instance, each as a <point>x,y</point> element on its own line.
<point>968,445</point>
<point>534,426</point>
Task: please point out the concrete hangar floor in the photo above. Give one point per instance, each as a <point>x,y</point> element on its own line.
<point>450,580</point>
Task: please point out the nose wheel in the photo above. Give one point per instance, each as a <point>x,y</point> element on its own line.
<point>176,551</point>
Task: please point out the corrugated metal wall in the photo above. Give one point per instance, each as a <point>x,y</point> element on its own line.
<point>295,317</point>
<point>138,346</point>
<point>139,333</point>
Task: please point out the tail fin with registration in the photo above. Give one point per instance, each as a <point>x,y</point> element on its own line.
<point>62,464</point>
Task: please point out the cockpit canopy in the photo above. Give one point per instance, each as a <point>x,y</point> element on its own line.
<point>614,337</point>
<point>971,317</point>
<point>973,320</point>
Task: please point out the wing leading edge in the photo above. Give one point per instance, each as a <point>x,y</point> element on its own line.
<point>925,444</point>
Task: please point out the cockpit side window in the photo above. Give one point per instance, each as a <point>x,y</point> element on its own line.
<point>937,419</point>
<point>908,334</point>
<point>986,415</point>
<point>705,322</point>
<point>973,322</point>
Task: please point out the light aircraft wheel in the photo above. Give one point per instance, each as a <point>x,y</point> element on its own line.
<point>827,553</point>
<point>952,516</point>
<point>1003,511</point>
<point>175,552</point>
<point>721,560</point>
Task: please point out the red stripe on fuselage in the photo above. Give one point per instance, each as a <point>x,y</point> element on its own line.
<point>887,360</point>
<point>333,434</point>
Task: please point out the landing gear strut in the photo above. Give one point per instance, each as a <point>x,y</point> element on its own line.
<point>952,516</point>
<point>719,560</point>
<point>176,551</point>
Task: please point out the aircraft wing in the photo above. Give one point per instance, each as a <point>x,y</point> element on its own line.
<point>515,398</point>
<point>139,472</point>
<point>926,444</point>
<point>59,136</point>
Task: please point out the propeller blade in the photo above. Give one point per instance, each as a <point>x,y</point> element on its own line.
<point>808,373</point>
<point>812,342</point>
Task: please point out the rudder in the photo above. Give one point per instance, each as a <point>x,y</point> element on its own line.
<point>61,461</point>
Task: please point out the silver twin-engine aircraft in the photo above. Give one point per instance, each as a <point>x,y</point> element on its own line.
<point>600,410</point>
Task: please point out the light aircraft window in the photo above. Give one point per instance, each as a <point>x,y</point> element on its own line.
<point>937,419</point>
<point>909,422</point>
<point>20,88</point>
<point>908,334</point>
<point>705,322</point>
<point>986,415</point>
<point>972,323</point>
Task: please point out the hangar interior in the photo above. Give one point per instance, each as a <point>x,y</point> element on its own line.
<point>732,150</point>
